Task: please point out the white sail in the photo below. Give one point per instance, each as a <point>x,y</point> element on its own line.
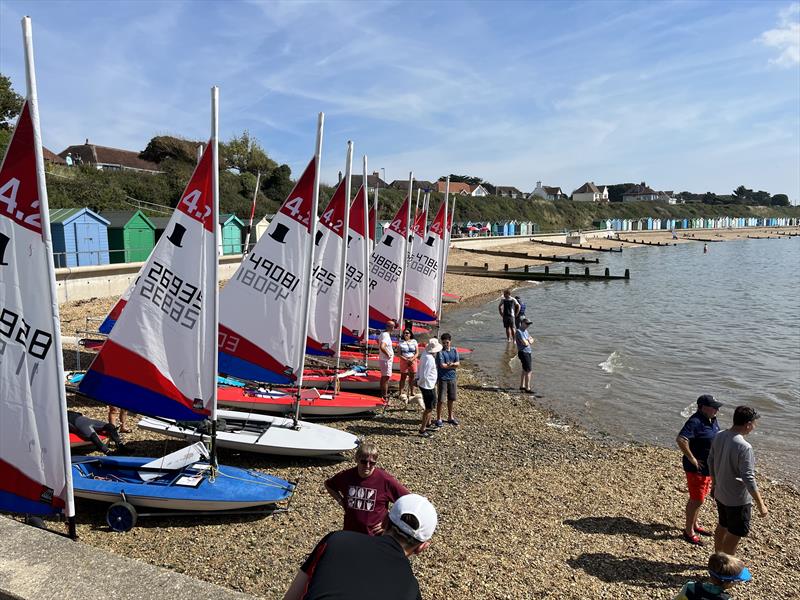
<point>387,265</point>
<point>424,272</point>
<point>34,449</point>
<point>355,282</point>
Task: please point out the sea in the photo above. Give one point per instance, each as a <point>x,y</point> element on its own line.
<point>628,359</point>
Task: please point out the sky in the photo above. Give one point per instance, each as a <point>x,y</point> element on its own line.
<point>698,96</point>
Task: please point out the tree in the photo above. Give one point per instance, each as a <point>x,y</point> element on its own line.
<point>10,103</point>
<point>780,200</point>
<point>710,198</point>
<point>616,191</point>
<point>761,198</point>
<point>163,147</point>
<point>462,179</point>
<point>278,184</point>
<point>245,154</point>
<point>743,195</point>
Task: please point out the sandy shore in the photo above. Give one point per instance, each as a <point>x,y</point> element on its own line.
<point>530,506</point>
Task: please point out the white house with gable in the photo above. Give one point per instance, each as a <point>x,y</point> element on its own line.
<point>589,192</point>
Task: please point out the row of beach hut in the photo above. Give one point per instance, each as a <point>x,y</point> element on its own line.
<point>651,224</point>
<point>82,237</point>
<point>487,228</point>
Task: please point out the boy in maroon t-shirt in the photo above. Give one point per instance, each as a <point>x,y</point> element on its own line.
<point>365,492</point>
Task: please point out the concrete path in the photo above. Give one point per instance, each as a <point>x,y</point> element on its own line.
<point>36,564</point>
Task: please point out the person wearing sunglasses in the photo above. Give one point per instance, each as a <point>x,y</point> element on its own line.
<point>365,492</point>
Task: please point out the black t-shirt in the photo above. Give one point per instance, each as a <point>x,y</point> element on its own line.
<point>346,565</point>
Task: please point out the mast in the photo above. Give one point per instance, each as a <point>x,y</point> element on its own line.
<point>366,260</point>
<point>348,172</point>
<point>306,300</point>
<point>405,251</point>
<point>215,275</point>
<point>44,210</point>
<point>443,255</point>
<point>375,208</point>
<point>252,213</point>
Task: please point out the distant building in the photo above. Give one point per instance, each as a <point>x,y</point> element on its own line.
<point>640,193</point>
<point>373,181</point>
<point>108,159</point>
<point>52,157</point>
<point>589,192</point>
<point>456,187</point>
<point>402,184</point>
<point>506,191</point>
<point>545,192</point>
<point>477,190</point>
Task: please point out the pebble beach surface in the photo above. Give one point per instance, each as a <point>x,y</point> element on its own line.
<point>530,506</point>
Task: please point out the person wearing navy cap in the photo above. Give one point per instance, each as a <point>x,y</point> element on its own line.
<point>694,440</point>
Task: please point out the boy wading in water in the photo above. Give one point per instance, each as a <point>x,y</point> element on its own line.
<point>508,309</point>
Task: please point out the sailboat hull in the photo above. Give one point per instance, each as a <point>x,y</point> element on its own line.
<point>263,434</point>
<point>107,479</point>
<point>369,381</point>
<point>282,402</point>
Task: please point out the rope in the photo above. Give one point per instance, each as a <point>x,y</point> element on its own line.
<point>255,473</point>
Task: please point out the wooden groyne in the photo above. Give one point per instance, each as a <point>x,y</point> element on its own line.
<point>577,247</point>
<point>526,274</point>
<point>644,243</point>
<point>697,239</point>
<point>526,255</point>
<point>762,237</point>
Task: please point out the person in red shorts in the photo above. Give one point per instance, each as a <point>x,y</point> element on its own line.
<point>365,492</point>
<point>694,440</point>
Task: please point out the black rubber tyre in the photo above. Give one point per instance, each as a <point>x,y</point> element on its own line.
<point>121,517</point>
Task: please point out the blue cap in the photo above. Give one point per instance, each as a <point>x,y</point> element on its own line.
<point>744,575</point>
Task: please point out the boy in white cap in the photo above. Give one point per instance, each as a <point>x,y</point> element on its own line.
<point>427,376</point>
<point>346,565</point>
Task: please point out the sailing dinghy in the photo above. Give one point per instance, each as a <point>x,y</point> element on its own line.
<point>160,359</point>
<point>255,432</point>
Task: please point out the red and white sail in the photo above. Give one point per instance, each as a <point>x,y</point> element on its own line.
<point>323,324</point>
<point>34,448</point>
<point>261,308</point>
<point>159,357</point>
<point>424,272</point>
<point>353,322</point>
<point>387,265</point>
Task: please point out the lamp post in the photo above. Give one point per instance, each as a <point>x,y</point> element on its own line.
<point>383,170</point>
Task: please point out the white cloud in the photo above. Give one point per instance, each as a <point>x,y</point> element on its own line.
<point>786,37</point>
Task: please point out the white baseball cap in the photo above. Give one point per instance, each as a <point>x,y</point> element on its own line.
<point>422,509</point>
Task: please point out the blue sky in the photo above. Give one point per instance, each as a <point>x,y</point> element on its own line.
<point>683,95</point>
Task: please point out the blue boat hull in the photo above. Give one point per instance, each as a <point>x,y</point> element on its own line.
<point>108,478</point>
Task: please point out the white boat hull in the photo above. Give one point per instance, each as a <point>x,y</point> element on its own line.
<point>264,434</point>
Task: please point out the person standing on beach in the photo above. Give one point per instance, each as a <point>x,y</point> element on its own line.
<point>386,357</point>
<point>427,375</point>
<point>447,361</point>
<point>409,353</point>
<point>350,566</point>
<point>731,463</point>
<point>705,248</point>
<point>508,309</point>
<point>365,492</point>
<point>525,354</point>
<point>694,440</point>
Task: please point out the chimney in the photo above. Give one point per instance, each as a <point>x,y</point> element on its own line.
<point>87,141</point>
<point>538,184</point>
<point>644,184</point>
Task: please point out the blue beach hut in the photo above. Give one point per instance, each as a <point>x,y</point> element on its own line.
<point>80,237</point>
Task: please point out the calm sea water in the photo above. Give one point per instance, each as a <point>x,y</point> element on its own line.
<point>630,358</point>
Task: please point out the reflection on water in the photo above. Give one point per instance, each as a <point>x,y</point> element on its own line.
<point>630,357</point>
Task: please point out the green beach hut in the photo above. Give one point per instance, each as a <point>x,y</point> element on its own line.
<point>131,235</point>
<point>231,233</point>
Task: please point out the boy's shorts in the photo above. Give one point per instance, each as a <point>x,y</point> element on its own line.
<point>736,519</point>
<point>429,397</point>
<point>446,387</point>
<point>525,359</point>
<point>699,485</point>
<point>408,368</point>
<point>385,367</point>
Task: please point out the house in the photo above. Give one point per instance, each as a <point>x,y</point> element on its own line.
<point>456,187</point>
<point>105,158</point>
<point>478,190</point>
<point>545,192</point>
<point>640,193</point>
<point>589,192</point>
<point>667,196</point>
<point>421,184</point>
<point>373,181</point>
<point>52,157</point>
<point>507,191</point>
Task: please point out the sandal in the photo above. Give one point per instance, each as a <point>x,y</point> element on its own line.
<point>702,530</point>
<point>692,539</point>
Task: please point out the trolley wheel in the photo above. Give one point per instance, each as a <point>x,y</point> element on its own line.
<point>121,517</point>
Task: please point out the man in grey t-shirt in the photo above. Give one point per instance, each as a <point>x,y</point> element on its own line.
<point>731,464</point>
